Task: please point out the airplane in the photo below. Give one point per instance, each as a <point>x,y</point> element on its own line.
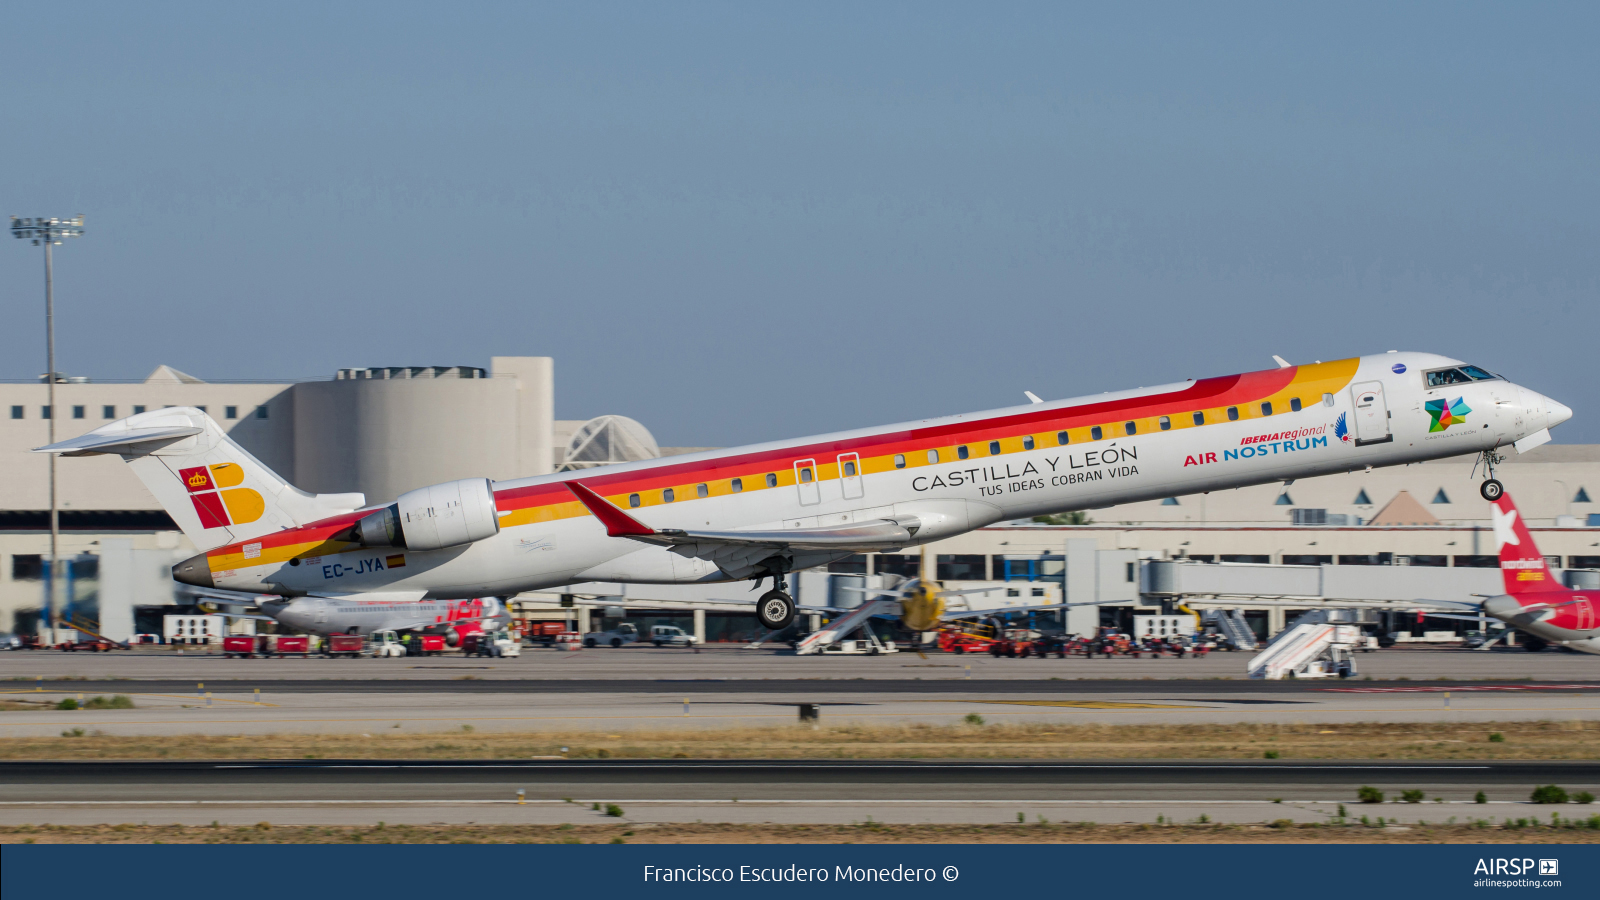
<point>762,511</point>
<point>1534,601</point>
<point>452,619</point>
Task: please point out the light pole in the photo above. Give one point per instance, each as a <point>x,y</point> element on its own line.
<point>49,232</point>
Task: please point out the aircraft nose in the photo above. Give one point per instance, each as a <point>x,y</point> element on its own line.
<point>1555,413</point>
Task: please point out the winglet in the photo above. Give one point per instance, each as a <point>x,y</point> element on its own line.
<point>617,522</point>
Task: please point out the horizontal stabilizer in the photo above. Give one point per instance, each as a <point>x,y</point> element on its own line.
<point>130,442</point>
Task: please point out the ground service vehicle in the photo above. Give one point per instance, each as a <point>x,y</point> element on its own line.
<point>542,632</point>
<point>350,645</point>
<point>671,636</point>
<point>386,644</point>
<point>624,633</point>
<point>242,646</point>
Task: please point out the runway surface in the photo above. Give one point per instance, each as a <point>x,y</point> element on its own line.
<point>364,792</point>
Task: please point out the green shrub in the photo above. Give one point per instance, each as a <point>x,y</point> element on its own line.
<point>115,701</point>
<point>613,810</point>
<point>1480,797</point>
<point>1548,793</point>
<point>1411,796</point>
<point>68,703</point>
<point>1270,754</point>
<point>1583,797</point>
<point>1497,738</point>
<point>1369,794</point>
<point>973,719</point>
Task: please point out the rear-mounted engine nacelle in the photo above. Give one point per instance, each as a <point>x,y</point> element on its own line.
<point>434,517</point>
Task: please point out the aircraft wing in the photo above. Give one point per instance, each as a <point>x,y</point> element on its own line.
<point>725,545</point>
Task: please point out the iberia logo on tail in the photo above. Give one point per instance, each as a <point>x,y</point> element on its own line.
<point>221,508</point>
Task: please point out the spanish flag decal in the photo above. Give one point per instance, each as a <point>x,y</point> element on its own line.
<point>396,561</point>
<point>219,509</point>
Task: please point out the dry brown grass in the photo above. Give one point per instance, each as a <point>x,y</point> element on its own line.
<point>1043,833</point>
<point>1522,740</point>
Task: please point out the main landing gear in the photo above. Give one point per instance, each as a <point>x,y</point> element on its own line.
<point>775,610</point>
<point>1491,489</point>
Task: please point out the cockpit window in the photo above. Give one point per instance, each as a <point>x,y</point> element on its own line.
<point>1447,376</point>
<point>1478,374</point>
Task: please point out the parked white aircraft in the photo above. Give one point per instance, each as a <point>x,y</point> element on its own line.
<point>765,510</point>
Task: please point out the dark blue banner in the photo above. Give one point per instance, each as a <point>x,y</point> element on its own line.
<point>65,872</point>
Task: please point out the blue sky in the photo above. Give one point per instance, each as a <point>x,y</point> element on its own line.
<point>740,222</point>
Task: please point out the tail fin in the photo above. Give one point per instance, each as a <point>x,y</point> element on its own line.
<point>212,487</point>
<point>1521,564</point>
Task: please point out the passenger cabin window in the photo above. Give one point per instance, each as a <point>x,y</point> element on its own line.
<point>701,490</point>
<point>961,452</point>
<point>633,500</point>
<point>1448,376</point>
<point>805,475</point>
<point>1327,399</point>
<point>1266,409</point>
<point>1233,414</point>
<point>933,456</point>
<point>1166,423</point>
<point>1095,433</point>
<point>737,484</point>
<point>1199,418</point>
<point>772,479</point>
<point>899,460</point>
<point>1061,438</point>
<point>849,469</point>
<point>667,496</point>
<point>1027,442</point>
<point>1294,404</point>
<point>1130,427</point>
<point>994,448</point>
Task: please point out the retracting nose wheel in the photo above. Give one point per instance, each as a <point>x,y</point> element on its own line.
<point>1492,490</point>
<point>775,610</point>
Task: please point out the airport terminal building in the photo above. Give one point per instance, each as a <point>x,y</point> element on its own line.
<point>383,431</point>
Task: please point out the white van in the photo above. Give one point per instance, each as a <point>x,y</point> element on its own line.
<point>671,635</point>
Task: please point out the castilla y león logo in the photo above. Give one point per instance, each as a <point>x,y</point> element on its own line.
<point>1446,413</point>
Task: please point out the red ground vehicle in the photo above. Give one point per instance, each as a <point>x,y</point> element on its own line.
<point>350,645</point>
<point>240,645</point>
<point>286,644</point>
<point>91,645</point>
<point>426,645</point>
<point>964,638</point>
<point>542,632</point>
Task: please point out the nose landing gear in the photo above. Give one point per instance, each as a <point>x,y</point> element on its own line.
<point>1491,489</point>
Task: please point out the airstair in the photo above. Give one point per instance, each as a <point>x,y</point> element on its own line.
<point>1319,644</point>
<point>837,630</point>
<point>1232,625</point>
